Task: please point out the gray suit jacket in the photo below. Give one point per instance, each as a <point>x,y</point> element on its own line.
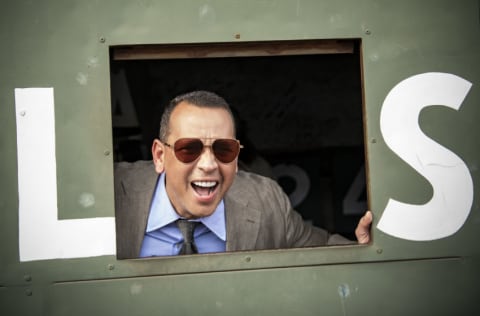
<point>258,214</point>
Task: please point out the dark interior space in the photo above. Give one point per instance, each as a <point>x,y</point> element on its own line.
<point>299,117</point>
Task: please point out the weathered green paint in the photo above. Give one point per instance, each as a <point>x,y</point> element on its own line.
<point>59,44</point>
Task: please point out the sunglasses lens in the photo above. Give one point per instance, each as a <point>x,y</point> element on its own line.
<point>188,149</point>
<point>226,150</point>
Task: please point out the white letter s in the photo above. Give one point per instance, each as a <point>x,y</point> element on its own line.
<point>452,183</point>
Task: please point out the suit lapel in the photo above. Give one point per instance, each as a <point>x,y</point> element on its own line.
<point>242,224</point>
<point>139,193</point>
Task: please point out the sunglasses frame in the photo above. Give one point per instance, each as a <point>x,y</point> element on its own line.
<point>212,146</point>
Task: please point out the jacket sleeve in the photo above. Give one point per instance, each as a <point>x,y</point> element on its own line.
<point>299,233</point>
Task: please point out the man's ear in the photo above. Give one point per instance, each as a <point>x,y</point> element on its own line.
<point>158,154</point>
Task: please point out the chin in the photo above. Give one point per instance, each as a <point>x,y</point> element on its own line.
<point>203,212</point>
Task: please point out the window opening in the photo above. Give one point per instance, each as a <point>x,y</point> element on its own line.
<point>299,107</point>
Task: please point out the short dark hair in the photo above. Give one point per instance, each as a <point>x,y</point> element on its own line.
<point>198,98</point>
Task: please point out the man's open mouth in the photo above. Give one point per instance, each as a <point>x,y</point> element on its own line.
<point>204,188</point>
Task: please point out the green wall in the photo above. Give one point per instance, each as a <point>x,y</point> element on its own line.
<point>65,45</point>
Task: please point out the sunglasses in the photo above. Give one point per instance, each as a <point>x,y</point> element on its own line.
<point>189,149</point>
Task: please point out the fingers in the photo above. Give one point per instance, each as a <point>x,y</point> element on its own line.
<point>363,228</point>
<point>367,219</point>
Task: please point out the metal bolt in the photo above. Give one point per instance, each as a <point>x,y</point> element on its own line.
<point>374,140</point>
<point>248,259</point>
<point>111,266</point>
<point>368,32</point>
<point>27,277</point>
<point>106,152</point>
<point>28,292</point>
<point>102,39</point>
<point>379,250</point>
<point>23,113</point>
<point>237,36</point>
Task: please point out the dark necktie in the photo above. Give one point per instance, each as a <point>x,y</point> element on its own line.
<point>187,228</point>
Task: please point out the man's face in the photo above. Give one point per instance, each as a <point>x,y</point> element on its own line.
<point>196,188</point>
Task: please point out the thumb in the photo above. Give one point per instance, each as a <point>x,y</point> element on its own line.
<point>362,231</point>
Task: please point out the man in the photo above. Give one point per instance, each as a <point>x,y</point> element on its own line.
<point>194,199</point>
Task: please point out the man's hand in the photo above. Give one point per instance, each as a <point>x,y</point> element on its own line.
<point>363,228</point>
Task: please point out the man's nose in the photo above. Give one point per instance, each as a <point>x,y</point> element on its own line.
<point>207,160</point>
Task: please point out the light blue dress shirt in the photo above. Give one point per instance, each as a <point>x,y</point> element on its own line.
<point>162,236</point>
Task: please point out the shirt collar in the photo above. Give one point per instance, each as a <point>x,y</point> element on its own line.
<point>162,213</point>
<point>216,221</point>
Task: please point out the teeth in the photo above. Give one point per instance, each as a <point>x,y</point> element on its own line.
<point>205,184</point>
